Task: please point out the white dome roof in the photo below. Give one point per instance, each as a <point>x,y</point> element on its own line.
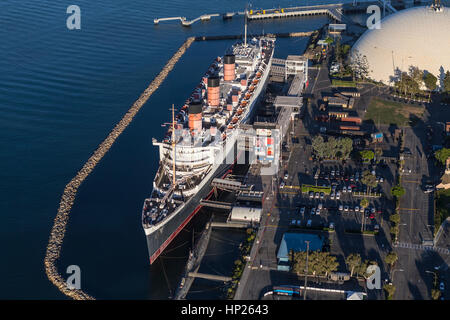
<point>418,36</point>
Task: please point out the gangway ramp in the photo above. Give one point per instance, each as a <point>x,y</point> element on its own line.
<point>209,276</point>
<point>250,196</point>
<point>232,185</point>
<point>216,204</point>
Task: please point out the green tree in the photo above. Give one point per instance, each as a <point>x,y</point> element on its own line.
<point>446,82</point>
<point>353,261</point>
<point>442,155</point>
<point>319,146</point>
<point>417,79</point>
<point>391,258</point>
<point>367,154</point>
<point>330,263</point>
<point>430,82</point>
<point>362,268</point>
<point>397,191</point>
<point>364,203</point>
<point>359,65</point>
<point>369,180</point>
<point>395,218</point>
<point>435,294</point>
<point>390,290</point>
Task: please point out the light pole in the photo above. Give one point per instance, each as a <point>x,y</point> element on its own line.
<point>393,273</point>
<point>434,276</point>
<point>306,272</point>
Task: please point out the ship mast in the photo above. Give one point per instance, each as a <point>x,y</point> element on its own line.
<point>245,27</point>
<point>173,143</point>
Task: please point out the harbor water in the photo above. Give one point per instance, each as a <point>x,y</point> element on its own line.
<point>61,93</point>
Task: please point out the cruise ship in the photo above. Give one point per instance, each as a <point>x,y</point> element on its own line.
<point>200,144</point>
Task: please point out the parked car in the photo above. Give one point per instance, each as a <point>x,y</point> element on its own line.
<point>320,206</point>
<point>282,184</point>
<point>331,225</point>
<point>346,208</point>
<point>332,195</point>
<point>308,224</point>
<point>372,216</point>
<point>317,195</point>
<point>293,222</point>
<point>349,189</point>
<point>356,208</point>
<point>302,210</point>
<point>322,195</point>
<point>441,286</point>
<point>286,175</point>
<point>338,195</point>
<point>341,207</point>
<point>299,223</point>
<point>311,195</point>
<point>313,211</point>
<point>318,211</point>
<point>344,189</point>
<point>372,210</point>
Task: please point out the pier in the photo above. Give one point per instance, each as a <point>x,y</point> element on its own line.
<point>70,191</point>
<point>333,11</point>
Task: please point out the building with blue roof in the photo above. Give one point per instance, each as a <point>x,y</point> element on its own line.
<point>296,242</point>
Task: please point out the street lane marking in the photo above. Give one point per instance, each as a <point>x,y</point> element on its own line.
<point>292,187</point>
<point>409,209</point>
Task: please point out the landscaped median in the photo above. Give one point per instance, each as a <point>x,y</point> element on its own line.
<point>365,232</point>
<point>306,188</point>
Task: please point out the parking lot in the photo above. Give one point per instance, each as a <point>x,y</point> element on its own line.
<point>338,203</point>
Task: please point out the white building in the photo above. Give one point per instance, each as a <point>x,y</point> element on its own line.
<point>245,214</point>
<point>416,36</point>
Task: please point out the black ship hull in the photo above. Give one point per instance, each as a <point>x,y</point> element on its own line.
<point>159,239</point>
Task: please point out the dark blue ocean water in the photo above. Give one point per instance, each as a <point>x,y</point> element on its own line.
<point>61,92</point>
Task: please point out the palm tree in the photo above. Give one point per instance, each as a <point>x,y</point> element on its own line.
<point>369,180</point>
<point>391,258</point>
<point>363,204</point>
<point>353,261</point>
<point>330,263</point>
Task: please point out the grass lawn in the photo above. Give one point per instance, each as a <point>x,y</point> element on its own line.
<point>391,112</point>
<point>342,83</point>
<point>442,207</point>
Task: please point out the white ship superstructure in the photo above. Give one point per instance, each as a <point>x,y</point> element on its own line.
<point>202,138</point>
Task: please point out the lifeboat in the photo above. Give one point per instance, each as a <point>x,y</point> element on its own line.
<point>258,74</point>
<point>255,81</point>
<point>239,111</point>
<point>244,103</point>
<point>224,136</point>
<point>247,95</point>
